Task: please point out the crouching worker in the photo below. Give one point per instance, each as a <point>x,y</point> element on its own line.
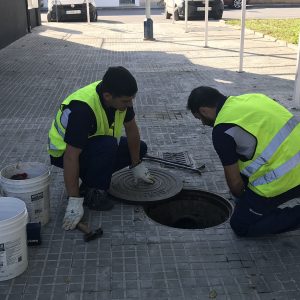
<point>258,142</point>
<point>85,140</point>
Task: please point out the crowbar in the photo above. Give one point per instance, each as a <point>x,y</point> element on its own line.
<point>173,163</point>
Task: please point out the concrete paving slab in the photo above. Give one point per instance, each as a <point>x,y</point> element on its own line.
<point>137,258</point>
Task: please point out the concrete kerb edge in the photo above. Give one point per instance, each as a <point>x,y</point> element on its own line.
<point>265,36</point>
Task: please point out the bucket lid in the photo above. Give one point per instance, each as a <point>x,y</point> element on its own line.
<point>11,208</point>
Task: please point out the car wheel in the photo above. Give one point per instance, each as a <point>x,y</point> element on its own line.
<point>95,16</point>
<point>237,4</point>
<point>217,10</point>
<point>168,16</point>
<point>48,17</point>
<point>176,15</point>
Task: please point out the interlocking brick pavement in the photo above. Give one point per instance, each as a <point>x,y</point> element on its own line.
<point>138,258</point>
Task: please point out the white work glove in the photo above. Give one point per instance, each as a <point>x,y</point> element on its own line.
<point>74,213</point>
<point>141,173</point>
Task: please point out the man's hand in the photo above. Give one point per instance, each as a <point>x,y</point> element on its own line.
<point>234,180</point>
<point>141,173</point>
<point>74,213</point>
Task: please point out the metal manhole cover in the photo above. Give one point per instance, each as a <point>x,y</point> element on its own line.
<point>165,186</point>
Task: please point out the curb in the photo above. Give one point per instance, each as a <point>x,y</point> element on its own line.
<point>271,5</point>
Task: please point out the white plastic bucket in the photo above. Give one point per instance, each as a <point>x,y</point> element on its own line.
<point>34,190</point>
<point>13,238</point>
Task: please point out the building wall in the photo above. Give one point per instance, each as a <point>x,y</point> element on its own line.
<point>154,3</point>
<point>107,3</point>
<point>13,21</point>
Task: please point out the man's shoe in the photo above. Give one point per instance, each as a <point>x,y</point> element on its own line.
<point>96,199</point>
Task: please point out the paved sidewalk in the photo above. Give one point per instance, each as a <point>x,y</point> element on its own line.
<point>138,258</point>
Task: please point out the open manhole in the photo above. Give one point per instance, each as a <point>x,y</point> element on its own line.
<point>191,209</point>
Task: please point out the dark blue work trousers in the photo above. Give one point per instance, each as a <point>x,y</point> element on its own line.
<point>254,215</point>
<point>101,158</point>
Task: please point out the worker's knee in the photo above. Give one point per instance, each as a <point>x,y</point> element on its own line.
<point>238,228</point>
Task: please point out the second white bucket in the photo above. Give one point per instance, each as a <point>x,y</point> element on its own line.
<point>34,190</point>
<point>13,242</point>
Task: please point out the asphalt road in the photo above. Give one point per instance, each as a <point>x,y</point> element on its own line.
<point>157,15</point>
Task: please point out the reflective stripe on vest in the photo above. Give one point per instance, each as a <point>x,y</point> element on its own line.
<point>59,131</point>
<point>50,145</point>
<point>279,172</point>
<point>271,148</point>
<point>275,166</point>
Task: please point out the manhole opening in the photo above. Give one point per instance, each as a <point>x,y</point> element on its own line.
<point>191,209</point>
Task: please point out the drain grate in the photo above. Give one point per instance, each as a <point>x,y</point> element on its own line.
<point>164,115</point>
<point>178,157</point>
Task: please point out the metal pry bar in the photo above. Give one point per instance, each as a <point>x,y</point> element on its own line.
<point>174,164</point>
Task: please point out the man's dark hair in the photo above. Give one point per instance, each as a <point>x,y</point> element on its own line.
<point>204,96</point>
<point>119,82</point>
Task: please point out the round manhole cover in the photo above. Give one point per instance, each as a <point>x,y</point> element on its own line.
<point>191,209</point>
<point>165,186</point>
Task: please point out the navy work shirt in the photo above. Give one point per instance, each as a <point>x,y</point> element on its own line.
<point>231,142</point>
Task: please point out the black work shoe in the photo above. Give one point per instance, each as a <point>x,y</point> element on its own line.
<point>96,199</point>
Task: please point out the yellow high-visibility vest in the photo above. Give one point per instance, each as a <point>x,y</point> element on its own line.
<point>89,95</point>
<point>275,165</point>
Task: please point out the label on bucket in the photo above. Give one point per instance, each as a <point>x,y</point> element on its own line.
<point>37,196</point>
<point>10,253</point>
<point>37,206</point>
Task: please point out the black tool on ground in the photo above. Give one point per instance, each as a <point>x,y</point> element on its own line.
<point>173,163</point>
<point>33,234</point>
<point>89,234</point>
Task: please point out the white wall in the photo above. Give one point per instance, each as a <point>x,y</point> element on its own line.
<point>107,3</point>
<point>154,3</point>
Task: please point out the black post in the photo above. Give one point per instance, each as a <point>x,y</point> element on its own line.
<point>148,30</point>
<point>148,23</point>
<point>28,17</point>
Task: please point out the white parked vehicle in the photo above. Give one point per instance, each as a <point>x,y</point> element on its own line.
<point>196,9</point>
<point>71,10</point>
